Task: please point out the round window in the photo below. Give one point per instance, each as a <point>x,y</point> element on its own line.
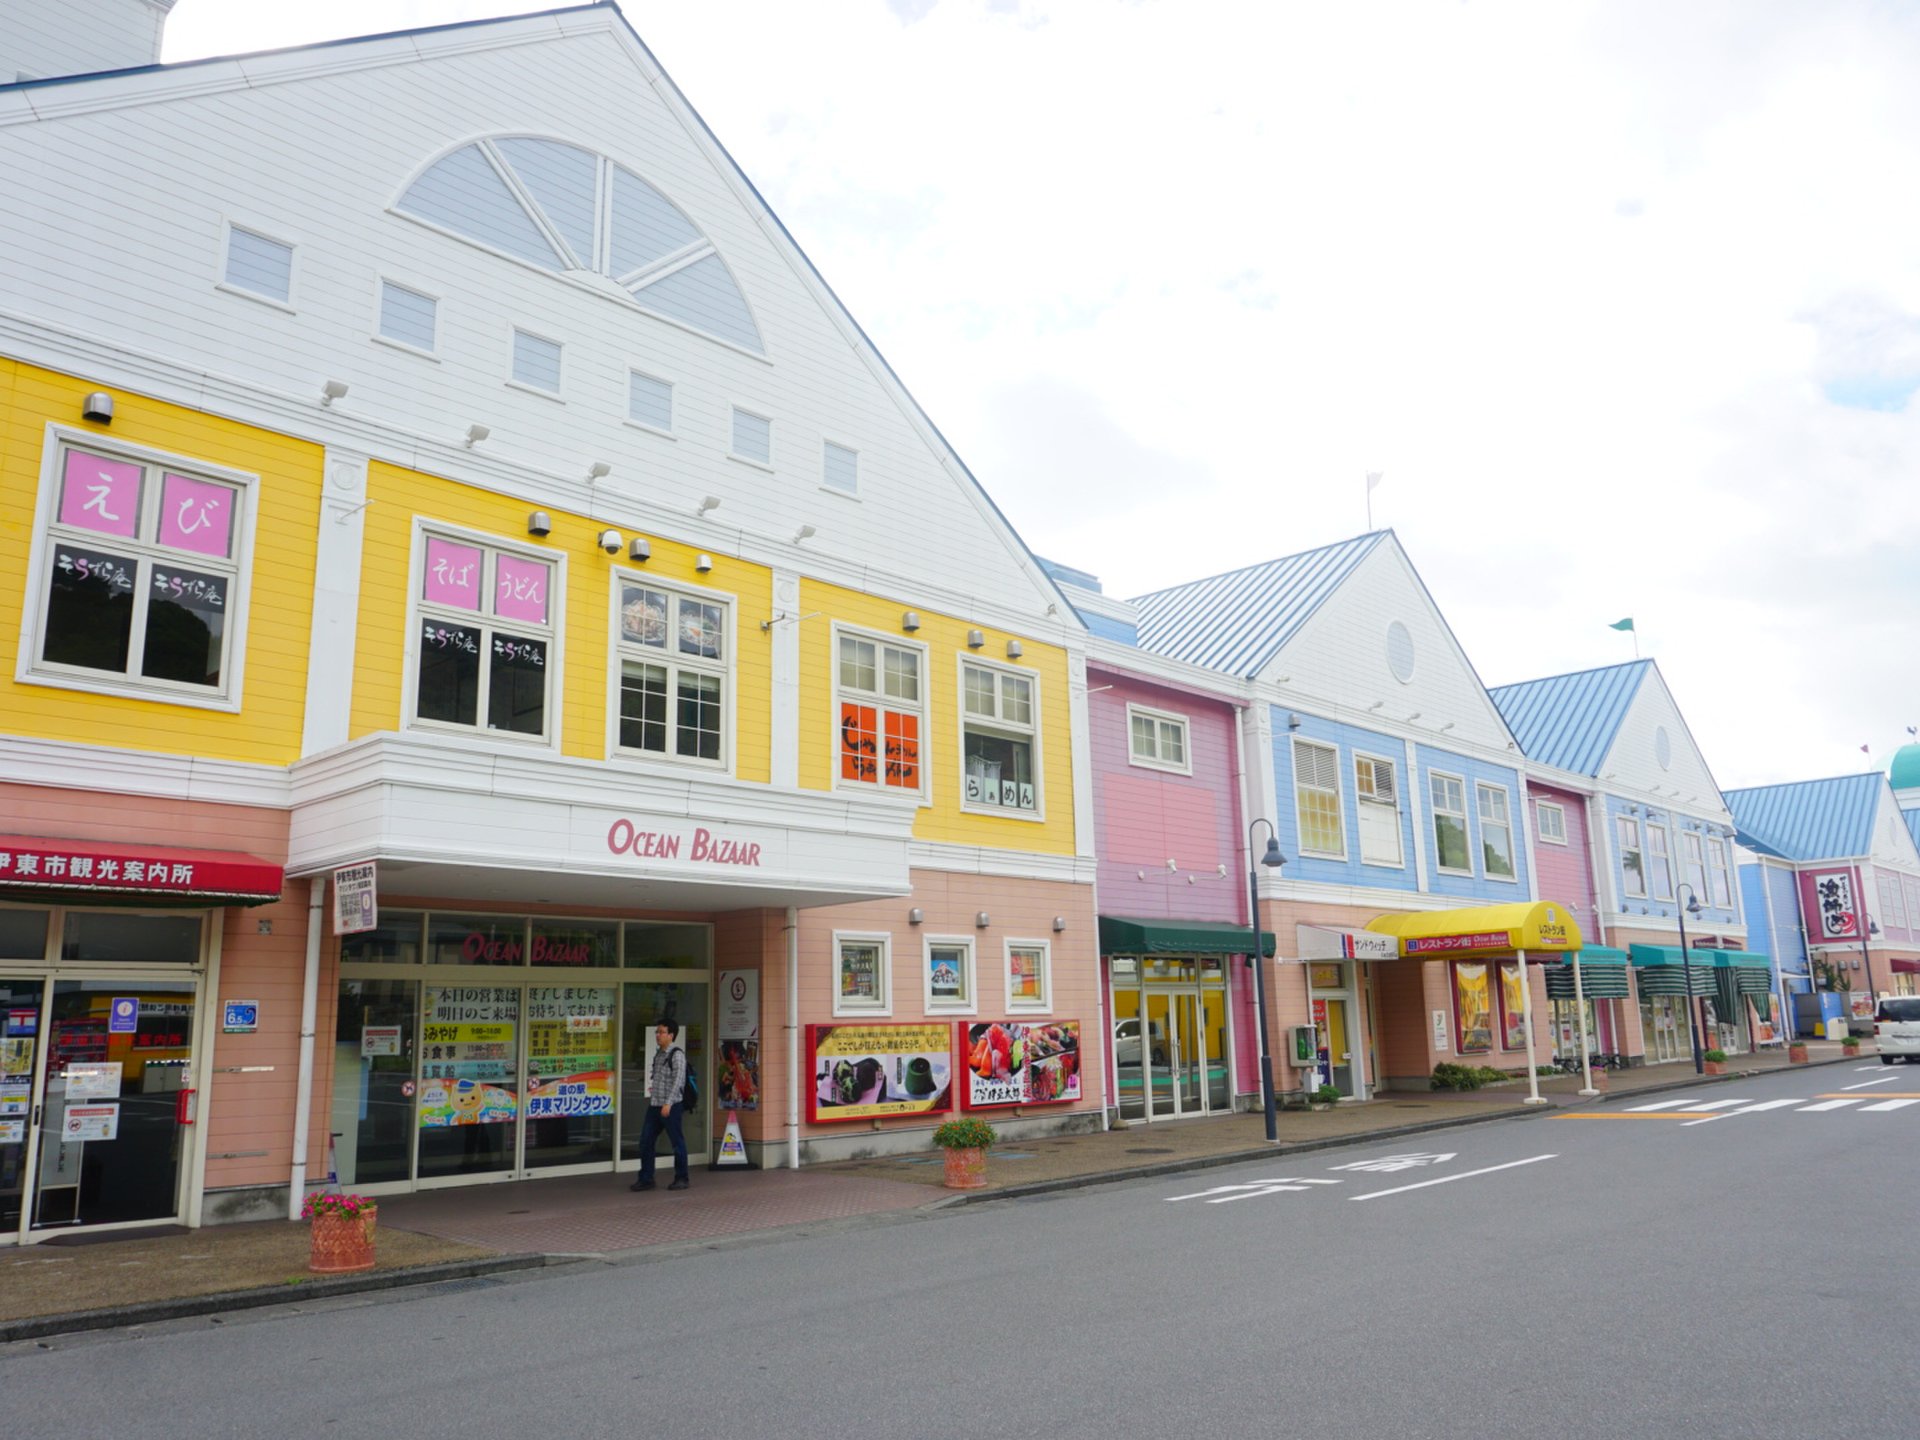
<point>1400,652</point>
<point>1663,748</point>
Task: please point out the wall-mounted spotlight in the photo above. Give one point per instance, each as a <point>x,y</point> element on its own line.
<point>599,470</point>
<point>1413,717</point>
<point>475,434</point>
<point>1293,721</point>
<point>983,920</point>
<point>1375,706</point>
<point>333,390</point>
<point>805,532</point>
<point>1448,726</point>
<point>539,523</point>
<point>975,639</point>
<point>711,502</point>
<point>1014,650</point>
<point>638,550</point>
<point>916,915</point>
<point>703,563</point>
<point>1059,923</point>
<point>97,407</point>
<point>910,621</point>
<point>611,541</point>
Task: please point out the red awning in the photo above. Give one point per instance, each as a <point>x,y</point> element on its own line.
<point>1906,967</point>
<point>34,866</point>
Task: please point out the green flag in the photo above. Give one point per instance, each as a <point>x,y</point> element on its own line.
<point>1626,624</point>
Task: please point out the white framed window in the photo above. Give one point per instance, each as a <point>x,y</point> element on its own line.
<point>999,740</point>
<point>258,265</point>
<point>862,973</point>
<point>880,699</point>
<point>1029,976</point>
<point>536,362</point>
<point>949,975</point>
<point>1893,902</point>
<point>650,401</point>
<point>752,437</point>
<point>1496,830</point>
<point>1659,862</point>
<point>1316,798</point>
<point>1157,740</point>
<point>409,318</point>
<point>1376,786</point>
<point>1633,858</point>
<point>840,469</point>
<point>485,647</point>
<point>672,671</point>
<point>1448,796</point>
<point>138,575</point>
<point>1551,822</point>
<point>1694,860</point>
<point>1911,887</point>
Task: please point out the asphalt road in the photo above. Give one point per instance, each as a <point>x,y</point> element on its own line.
<point>1670,1271</point>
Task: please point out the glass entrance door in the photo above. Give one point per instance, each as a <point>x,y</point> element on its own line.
<point>469,1099</point>
<point>112,1146</point>
<point>20,1030</point>
<point>1336,1046</point>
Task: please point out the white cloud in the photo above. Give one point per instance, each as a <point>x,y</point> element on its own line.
<point>1578,279</point>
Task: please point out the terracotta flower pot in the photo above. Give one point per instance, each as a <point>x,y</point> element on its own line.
<point>1797,1055</point>
<point>1713,1067</point>
<point>342,1244</point>
<point>967,1169</point>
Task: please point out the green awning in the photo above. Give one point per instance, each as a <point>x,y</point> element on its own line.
<point>1597,981</point>
<point>1726,995</point>
<point>1661,970</point>
<point>1701,956</point>
<point>1601,955</point>
<point>1120,936</point>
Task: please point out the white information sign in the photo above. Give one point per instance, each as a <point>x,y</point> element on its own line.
<point>355,906</point>
<point>90,1122</point>
<point>379,1040</point>
<point>1441,1039</point>
<point>739,1007</point>
<point>100,1081</point>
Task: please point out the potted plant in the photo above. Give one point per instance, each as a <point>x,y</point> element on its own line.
<point>965,1140</point>
<point>1325,1098</point>
<point>1714,1062</point>
<point>1797,1053</point>
<point>1849,1044</point>
<point>342,1232</point>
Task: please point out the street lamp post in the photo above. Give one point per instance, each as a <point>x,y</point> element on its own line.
<point>1692,907</point>
<point>1273,859</point>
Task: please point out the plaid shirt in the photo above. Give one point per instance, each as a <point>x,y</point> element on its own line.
<point>668,1076</point>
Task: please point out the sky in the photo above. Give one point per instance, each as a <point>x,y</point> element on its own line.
<point>1621,300</point>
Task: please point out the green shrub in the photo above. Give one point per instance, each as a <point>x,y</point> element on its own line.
<point>1327,1094</point>
<point>966,1133</point>
<point>1448,1076</point>
<point>1718,1057</point>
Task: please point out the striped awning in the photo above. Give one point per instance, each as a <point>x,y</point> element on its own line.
<point>1597,982</point>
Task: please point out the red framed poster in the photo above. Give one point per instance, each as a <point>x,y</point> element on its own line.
<point>1020,1062</point>
<point>863,1071</point>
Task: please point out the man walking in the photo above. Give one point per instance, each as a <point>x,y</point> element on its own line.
<point>666,1089</point>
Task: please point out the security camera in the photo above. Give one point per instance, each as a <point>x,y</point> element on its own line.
<point>611,542</point>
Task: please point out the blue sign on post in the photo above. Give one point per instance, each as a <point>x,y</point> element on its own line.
<point>124,1018</point>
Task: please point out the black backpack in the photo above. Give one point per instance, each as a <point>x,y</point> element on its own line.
<point>689,1088</point>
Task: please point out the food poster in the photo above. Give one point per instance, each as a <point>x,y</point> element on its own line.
<point>737,1027</point>
<point>570,1051</point>
<point>739,1077</point>
<point>1021,1063</point>
<point>16,1081</point>
<point>864,1071</point>
<point>1513,1001</point>
<point>467,1056</point>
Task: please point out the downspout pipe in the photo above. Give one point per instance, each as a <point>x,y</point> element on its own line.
<point>309,1009</point>
<point>793,1037</point>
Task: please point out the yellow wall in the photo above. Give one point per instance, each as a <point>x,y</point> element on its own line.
<point>399,496</point>
<point>946,639</point>
<point>280,581</point>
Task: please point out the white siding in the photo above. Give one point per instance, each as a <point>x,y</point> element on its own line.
<point>43,38</point>
<point>1632,766</point>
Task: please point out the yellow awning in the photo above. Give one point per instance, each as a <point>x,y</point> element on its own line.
<point>1540,925</point>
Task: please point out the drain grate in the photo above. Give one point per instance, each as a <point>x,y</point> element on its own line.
<point>1149,1150</point>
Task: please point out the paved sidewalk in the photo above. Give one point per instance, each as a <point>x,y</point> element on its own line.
<point>439,1234</point>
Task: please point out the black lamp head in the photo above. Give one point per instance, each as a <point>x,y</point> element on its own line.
<point>1273,859</point>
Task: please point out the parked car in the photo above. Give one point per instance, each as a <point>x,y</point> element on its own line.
<point>1126,1042</point>
<point>1896,1028</point>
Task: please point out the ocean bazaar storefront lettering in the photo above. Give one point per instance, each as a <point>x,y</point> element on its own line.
<point>625,838</point>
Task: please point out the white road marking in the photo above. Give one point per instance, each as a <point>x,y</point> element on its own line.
<point>1769,1105</point>
<point>1865,1067</point>
<point>1865,1083</point>
<point>1389,1163</point>
<point>1717,1105</point>
<point>1889,1105</point>
<point>1661,1105</point>
<point>1251,1190</point>
<point>1830,1105</point>
<point>1448,1179</point>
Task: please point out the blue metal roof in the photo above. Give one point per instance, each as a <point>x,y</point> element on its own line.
<point>1912,817</point>
<point>1569,721</point>
<point>1809,819</point>
<point>1238,622</point>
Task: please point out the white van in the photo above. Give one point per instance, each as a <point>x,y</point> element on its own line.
<point>1896,1028</point>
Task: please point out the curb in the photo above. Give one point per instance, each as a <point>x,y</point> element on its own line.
<point>1692,1080</point>
<point>151,1312</point>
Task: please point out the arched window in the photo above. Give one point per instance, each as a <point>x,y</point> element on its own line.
<point>563,208</point>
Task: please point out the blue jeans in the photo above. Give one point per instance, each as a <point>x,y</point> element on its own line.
<point>650,1129</point>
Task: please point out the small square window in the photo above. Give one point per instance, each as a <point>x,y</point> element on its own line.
<point>841,469</point>
<point>1551,822</point>
<point>752,437</point>
<point>1157,741</point>
<point>1029,975</point>
<point>862,980</point>
<point>258,265</point>
<point>536,362</point>
<point>950,979</point>
<point>999,742</point>
<point>407,317</point>
<point>649,401</point>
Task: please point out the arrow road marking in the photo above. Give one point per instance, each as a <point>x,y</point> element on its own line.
<point>1390,1163</point>
<point>1448,1179</point>
<point>1251,1190</point>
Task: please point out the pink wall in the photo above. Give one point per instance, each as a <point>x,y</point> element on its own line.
<point>1144,818</point>
<point>1887,882</point>
<point>1566,871</point>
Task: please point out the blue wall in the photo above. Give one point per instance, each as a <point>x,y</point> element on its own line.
<point>1676,825</point>
<point>1475,887</point>
<point>1775,930</point>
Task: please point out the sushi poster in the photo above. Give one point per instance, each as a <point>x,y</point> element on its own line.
<point>1021,1063</point>
<point>863,1071</point>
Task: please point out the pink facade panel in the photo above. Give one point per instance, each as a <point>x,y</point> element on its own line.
<point>1565,869</point>
<point>1898,923</point>
<point>1830,901</point>
<point>1146,817</point>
